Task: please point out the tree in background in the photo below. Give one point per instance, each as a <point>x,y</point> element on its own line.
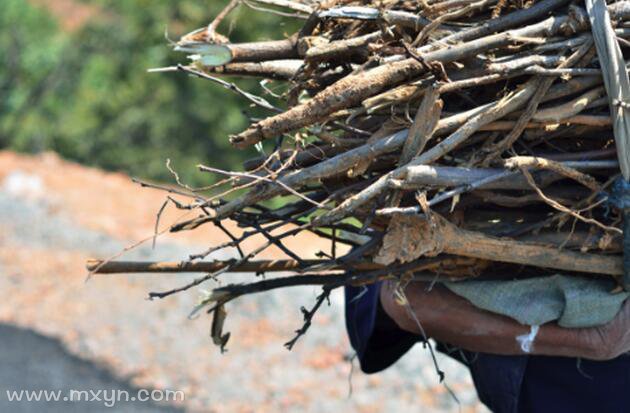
<point>86,93</point>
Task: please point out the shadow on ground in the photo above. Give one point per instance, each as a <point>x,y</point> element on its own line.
<point>33,362</point>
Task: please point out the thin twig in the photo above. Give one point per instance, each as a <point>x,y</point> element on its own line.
<point>309,314</point>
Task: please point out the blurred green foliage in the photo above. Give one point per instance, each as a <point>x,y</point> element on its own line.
<point>86,94</point>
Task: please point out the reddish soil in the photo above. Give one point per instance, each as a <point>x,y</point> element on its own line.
<point>111,203</point>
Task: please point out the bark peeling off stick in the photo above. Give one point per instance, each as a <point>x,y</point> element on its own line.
<point>349,91</point>
<point>448,238</point>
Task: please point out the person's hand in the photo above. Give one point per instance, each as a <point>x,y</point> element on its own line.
<point>448,318</point>
<point>610,340</point>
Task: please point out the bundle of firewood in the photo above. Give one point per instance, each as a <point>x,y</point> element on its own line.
<point>438,139</point>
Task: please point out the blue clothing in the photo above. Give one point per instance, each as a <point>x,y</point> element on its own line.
<point>506,384</point>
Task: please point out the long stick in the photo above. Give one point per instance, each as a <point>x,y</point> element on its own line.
<point>476,245</point>
<point>128,267</point>
<point>244,52</point>
<point>114,267</point>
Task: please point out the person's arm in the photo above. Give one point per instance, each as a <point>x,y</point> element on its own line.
<point>451,319</point>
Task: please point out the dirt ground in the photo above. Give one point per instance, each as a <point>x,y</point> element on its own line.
<point>55,214</point>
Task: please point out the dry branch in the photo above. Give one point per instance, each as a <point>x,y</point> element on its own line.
<point>476,245</point>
